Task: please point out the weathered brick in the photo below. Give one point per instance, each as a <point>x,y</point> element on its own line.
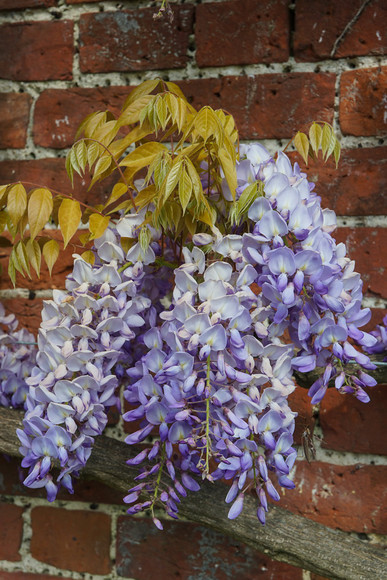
<point>349,425</point>
<point>357,186</point>
<point>196,552</point>
<point>267,106</point>
<point>130,40</point>
<point>36,51</point>
<point>349,497</point>
<point>319,24</point>
<point>363,102</point>
<point>251,32</point>
<point>14,116</point>
<point>71,539</point>
<point>59,112</point>
<point>51,173</point>
<point>21,4</point>
<point>364,245</point>
<point>11,530</point>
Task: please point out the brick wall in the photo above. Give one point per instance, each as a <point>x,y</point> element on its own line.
<point>276,66</point>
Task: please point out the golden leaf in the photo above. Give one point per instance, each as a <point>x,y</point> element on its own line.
<point>50,253</point>
<point>40,206</point>
<point>34,254</point>
<point>69,216</point>
<point>16,202</point>
<point>301,143</point>
<point>97,225</point>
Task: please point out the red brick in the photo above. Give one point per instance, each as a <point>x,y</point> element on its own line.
<point>36,51</point>
<point>349,497</point>
<point>59,112</point>
<point>365,246</point>
<point>21,4</point>
<point>71,539</point>
<point>349,425</point>
<point>299,401</point>
<point>251,32</point>
<point>321,22</point>
<point>131,40</point>
<point>267,106</point>
<point>14,115</point>
<point>357,186</point>
<point>28,312</point>
<point>51,173</point>
<point>11,530</point>
<point>196,552</point>
<point>363,104</point>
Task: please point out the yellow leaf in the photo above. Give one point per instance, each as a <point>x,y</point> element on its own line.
<point>3,191</point>
<point>229,170</point>
<point>105,133</point>
<point>301,143</point>
<point>102,165</point>
<point>145,196</point>
<point>12,270</point>
<point>69,168</point>
<point>196,183</point>
<point>16,202</point>
<point>81,154</point>
<point>120,145</point>
<point>50,253</point>
<point>141,157</point>
<point>315,134</point>
<point>90,123</point>
<point>39,210</point>
<point>144,89</point>
<point>185,190</point>
<point>97,225</point>
<point>337,152</point>
<point>172,178</point>
<point>118,191</point>
<point>89,257</point>
<point>208,126</point>
<point>162,112</point>
<point>327,139</point>
<point>69,216</point>
<point>93,152</point>
<point>122,206</point>
<point>34,254</point>
<point>132,113</point>
<point>22,257</point>
<point>3,220</point>
<point>84,237</point>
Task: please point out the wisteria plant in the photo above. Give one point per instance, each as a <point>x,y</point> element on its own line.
<point>208,277</point>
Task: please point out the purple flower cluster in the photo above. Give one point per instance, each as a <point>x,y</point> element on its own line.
<point>208,377</point>
<point>212,391</point>
<point>81,343</point>
<point>309,287</point>
<point>17,359</point>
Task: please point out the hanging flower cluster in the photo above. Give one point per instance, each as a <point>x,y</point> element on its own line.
<point>209,375</point>
<point>17,359</point>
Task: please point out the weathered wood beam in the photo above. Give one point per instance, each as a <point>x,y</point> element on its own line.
<point>285,537</point>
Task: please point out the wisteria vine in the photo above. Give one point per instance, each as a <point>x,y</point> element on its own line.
<point>205,348</point>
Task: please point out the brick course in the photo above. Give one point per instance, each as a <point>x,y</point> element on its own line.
<point>14,116</point>
<point>36,51</point>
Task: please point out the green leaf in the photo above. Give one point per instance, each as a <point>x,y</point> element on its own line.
<point>97,225</point>
<point>16,203</point>
<point>69,168</point>
<point>301,144</point>
<point>40,207</point>
<point>315,135</point>
<point>69,216</point>
<point>34,254</point>
<point>50,253</point>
